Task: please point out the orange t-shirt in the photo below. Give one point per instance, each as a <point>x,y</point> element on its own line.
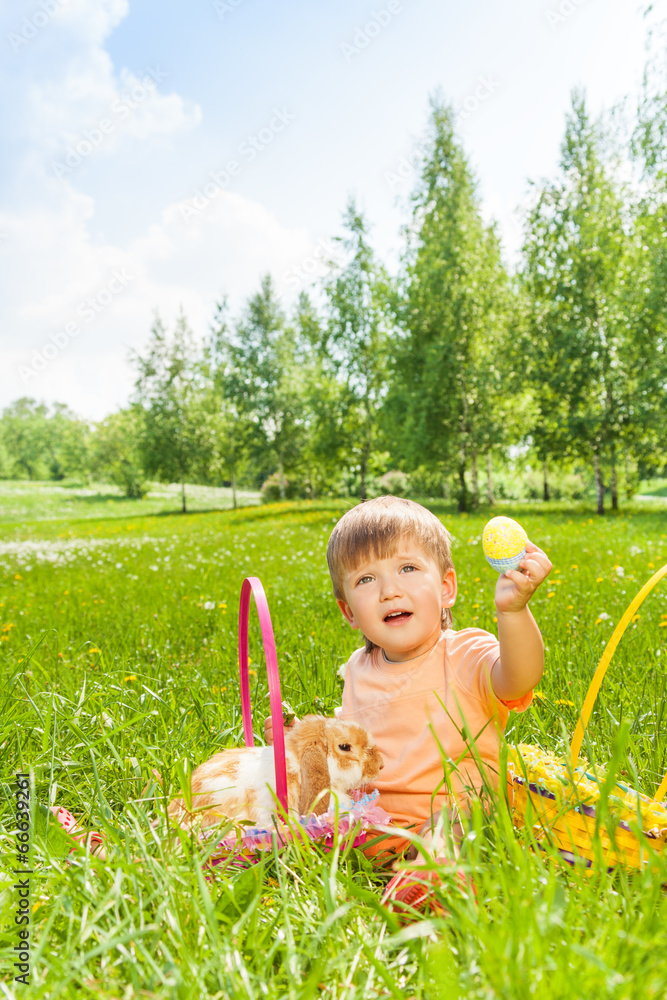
<point>449,689</point>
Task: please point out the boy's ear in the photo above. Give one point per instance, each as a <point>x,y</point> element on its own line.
<point>347,612</point>
<point>449,587</point>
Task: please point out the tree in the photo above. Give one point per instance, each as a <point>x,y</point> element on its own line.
<point>117,452</point>
<point>68,443</point>
<point>24,431</point>
<point>169,391</point>
<point>574,253</point>
<point>231,429</point>
<point>645,284</point>
<point>257,372</point>
<point>358,326</point>
<point>329,421</point>
<point>450,388</point>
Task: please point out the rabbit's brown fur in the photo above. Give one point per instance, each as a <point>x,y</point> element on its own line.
<point>233,783</point>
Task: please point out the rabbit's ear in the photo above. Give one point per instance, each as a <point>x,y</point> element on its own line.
<point>314,779</point>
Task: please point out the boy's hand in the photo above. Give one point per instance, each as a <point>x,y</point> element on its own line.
<point>268,728</point>
<point>514,588</point>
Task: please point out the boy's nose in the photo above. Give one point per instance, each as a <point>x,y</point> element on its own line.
<point>390,589</point>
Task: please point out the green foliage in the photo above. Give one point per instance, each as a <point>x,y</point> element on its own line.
<point>450,372</point>
<point>36,444</point>
<point>358,328</point>
<point>257,372</point>
<point>117,454</point>
<point>581,365</point>
<point>174,438</point>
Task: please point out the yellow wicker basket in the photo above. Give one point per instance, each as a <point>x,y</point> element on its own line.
<point>558,800</point>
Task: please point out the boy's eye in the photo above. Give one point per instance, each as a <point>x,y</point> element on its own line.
<point>409,568</point>
<point>363,579</point>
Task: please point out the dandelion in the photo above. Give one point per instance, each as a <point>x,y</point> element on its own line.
<point>130,677</point>
<point>651,565</point>
<point>540,695</point>
<point>94,649</point>
<point>209,605</point>
<point>570,607</point>
<point>564,701</point>
<point>552,593</point>
<point>17,576</point>
<point>600,579</point>
<point>574,566</point>
<point>662,625</point>
<point>8,626</point>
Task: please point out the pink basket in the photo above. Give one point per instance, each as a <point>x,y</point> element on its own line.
<point>364,813</point>
<point>252,584</point>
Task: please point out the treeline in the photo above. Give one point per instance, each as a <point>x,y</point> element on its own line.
<point>433,377</point>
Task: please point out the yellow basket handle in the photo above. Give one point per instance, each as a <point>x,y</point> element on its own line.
<point>601,670</point>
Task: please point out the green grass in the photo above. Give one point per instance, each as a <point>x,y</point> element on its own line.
<point>111,666</point>
<point>23,501</point>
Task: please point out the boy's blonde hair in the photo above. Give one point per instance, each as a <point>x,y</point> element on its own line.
<point>375,528</point>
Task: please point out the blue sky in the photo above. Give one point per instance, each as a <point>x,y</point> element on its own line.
<point>117,113</point>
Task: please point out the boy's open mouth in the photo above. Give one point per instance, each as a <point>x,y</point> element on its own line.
<point>394,617</point>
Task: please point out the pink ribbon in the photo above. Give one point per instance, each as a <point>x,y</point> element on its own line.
<point>253,585</point>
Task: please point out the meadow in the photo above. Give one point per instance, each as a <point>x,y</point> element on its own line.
<point>118,659</point>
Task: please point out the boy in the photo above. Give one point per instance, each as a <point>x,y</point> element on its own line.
<point>418,683</point>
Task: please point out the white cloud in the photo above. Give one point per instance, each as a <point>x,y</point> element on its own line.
<point>73,302</point>
<point>81,320</point>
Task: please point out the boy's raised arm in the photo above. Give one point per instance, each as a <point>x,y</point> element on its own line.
<point>521,661</point>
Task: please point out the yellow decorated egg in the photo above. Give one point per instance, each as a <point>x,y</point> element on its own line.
<point>504,543</point>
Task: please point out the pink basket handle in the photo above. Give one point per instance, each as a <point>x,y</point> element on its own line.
<point>253,584</point>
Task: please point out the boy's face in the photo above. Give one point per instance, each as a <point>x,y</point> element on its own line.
<point>397,602</point>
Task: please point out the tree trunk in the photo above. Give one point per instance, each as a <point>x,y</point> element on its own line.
<point>489,481</point>
<point>614,480</point>
<point>183,510</point>
<point>545,474</point>
<point>599,484</point>
<point>475,477</point>
<point>362,490</point>
<point>463,489</point>
<point>234,489</point>
<point>281,477</point>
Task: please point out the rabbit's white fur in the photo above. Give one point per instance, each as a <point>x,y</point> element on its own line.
<point>237,784</point>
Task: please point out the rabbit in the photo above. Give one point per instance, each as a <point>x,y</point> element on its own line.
<point>322,754</point>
